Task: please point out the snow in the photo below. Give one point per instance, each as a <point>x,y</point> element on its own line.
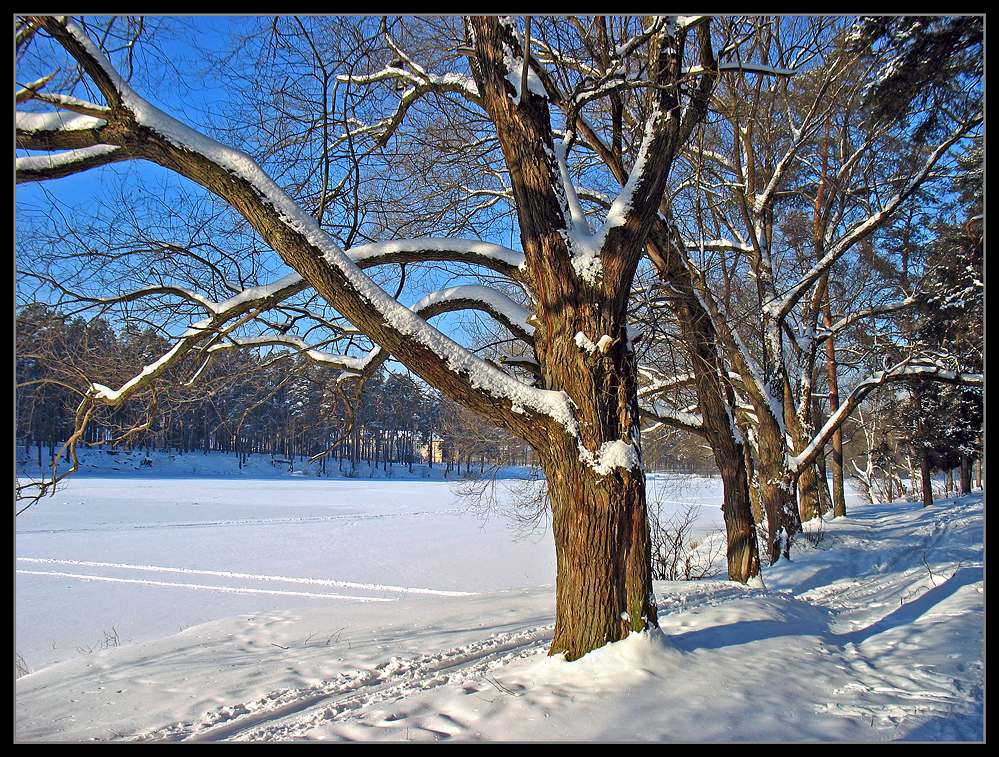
<point>492,300</point>
<point>56,120</point>
<point>514,65</point>
<point>149,556</point>
<point>611,455</point>
<point>126,534</point>
<point>874,633</point>
<point>604,343</point>
<point>67,158</point>
<point>584,342</point>
<point>585,245</point>
<point>101,391</point>
<point>470,247</point>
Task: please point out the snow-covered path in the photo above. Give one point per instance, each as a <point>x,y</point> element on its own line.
<point>876,633</point>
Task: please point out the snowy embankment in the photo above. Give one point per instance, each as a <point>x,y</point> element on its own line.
<point>874,633</point>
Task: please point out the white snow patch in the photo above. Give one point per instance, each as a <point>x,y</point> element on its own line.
<point>611,455</point>
<point>876,635</point>
<point>584,343</point>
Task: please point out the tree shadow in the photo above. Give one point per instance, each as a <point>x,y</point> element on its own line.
<point>958,726</point>
<point>910,611</point>
<point>745,631</point>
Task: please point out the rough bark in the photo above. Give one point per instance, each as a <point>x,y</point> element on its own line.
<point>603,588</point>
<point>965,474</point>
<point>776,490</point>
<point>822,473</point>
<point>800,430</point>
<point>754,485</point>
<point>809,505</point>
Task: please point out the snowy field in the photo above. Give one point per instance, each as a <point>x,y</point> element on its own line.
<point>259,606</point>
<point>116,560</point>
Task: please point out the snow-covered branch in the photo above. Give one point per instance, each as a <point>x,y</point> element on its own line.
<point>906,370</point>
<point>296,236</point>
<point>874,221</point>
<point>56,165</point>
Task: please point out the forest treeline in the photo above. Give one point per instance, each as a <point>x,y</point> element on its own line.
<point>278,404</point>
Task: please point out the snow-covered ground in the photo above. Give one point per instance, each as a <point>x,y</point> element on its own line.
<point>118,556</point>
<point>875,633</point>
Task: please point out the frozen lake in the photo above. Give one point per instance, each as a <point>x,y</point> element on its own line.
<point>141,558</point>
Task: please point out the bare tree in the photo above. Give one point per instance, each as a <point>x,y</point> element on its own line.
<point>790,185</point>
<point>578,405</point>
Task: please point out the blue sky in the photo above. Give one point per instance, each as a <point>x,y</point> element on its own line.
<point>175,72</point>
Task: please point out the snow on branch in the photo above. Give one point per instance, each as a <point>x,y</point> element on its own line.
<point>487,299</point>
<point>691,422</point>
<point>722,245</point>
<point>416,81</point>
<point>464,297</point>
<point>517,63</point>
<point>846,321</point>
<point>241,305</point>
<point>39,167</point>
<point>498,258</point>
<point>747,68</point>
<point>906,370</point>
<point>874,221</point>
<point>56,130</point>
<point>656,383</point>
<point>347,362</point>
<point>297,237</point>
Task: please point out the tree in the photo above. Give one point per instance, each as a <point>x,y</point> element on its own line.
<point>944,424</point>
<point>778,208</point>
<point>579,408</point>
<point>393,140</point>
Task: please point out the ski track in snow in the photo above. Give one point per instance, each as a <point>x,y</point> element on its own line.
<point>289,713</point>
<point>230,574</point>
<point>235,522</point>
<point>198,587</point>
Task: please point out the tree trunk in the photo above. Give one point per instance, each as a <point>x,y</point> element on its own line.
<point>716,400</point>
<point>754,485</point>
<point>825,498</point>
<point>809,505</point>
<point>965,475</point>
<point>818,233</point>
<point>603,588</point>
<point>800,430</point>
<point>776,491</point>
<point>740,525</point>
<point>926,479</point>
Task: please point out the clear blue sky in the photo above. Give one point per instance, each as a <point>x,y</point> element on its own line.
<point>176,74</point>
